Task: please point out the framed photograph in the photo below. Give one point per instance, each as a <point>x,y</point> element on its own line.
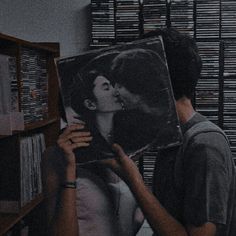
<point>123,94</point>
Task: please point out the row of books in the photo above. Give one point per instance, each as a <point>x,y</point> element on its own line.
<point>123,20</point>
<point>200,18</point>
<point>25,99</point>
<point>34,82</point>
<point>181,16</point>
<point>27,172</point>
<point>10,117</point>
<point>114,21</point>
<point>31,149</point>
<point>217,87</point>
<point>103,23</point>
<point>154,14</point>
<point>127,20</point>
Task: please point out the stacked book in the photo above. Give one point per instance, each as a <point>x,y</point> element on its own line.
<point>127,20</point>
<point>154,14</point>
<point>207,91</point>
<point>10,117</point>
<point>228,19</point>
<point>34,80</point>
<point>148,166</point>
<point>229,57</point>
<point>181,16</point>
<point>20,180</point>
<point>31,149</point>
<point>103,23</point>
<point>229,112</point>
<point>207,19</point>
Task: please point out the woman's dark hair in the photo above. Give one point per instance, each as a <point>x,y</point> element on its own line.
<point>84,81</point>
<point>183,61</point>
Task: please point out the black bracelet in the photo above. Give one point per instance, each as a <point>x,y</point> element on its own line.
<point>69,184</point>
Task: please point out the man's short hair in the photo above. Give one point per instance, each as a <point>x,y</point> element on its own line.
<point>141,71</point>
<point>183,61</point>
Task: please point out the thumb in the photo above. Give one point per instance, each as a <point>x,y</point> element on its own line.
<point>119,151</point>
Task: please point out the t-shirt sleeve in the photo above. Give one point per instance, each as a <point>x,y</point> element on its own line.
<point>208,173</point>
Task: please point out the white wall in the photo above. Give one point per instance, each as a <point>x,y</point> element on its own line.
<point>63,21</point>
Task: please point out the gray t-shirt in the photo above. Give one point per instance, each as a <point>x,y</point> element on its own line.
<point>197,185</point>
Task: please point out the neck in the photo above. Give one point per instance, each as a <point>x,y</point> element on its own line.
<point>104,123</point>
<point>184,109</point>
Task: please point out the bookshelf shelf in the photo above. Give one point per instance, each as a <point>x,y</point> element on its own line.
<point>33,126</point>
<point>40,124</point>
<point>9,40</point>
<point>7,221</point>
<point>31,116</point>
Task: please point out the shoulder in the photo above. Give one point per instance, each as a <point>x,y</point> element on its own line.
<point>207,134</point>
<point>208,145</point>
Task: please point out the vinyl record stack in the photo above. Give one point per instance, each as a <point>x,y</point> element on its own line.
<point>181,16</point>
<point>148,165</point>
<point>154,14</point>
<point>14,89</point>
<point>127,20</point>
<point>228,35</point>
<point>207,91</point>
<point>207,19</point>
<point>229,112</point>
<point>228,19</point>
<point>34,99</point>
<point>31,149</point>
<point>103,23</point>
<point>207,37</point>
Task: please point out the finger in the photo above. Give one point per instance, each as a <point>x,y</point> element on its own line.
<point>72,128</point>
<point>119,151</point>
<point>111,163</point>
<point>77,145</point>
<point>68,140</point>
<point>70,136</point>
<point>77,120</point>
<point>78,134</point>
<point>81,139</point>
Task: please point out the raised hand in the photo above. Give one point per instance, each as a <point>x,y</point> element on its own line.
<point>123,166</point>
<point>73,137</point>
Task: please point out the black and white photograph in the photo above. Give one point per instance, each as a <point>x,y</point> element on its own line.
<point>123,95</point>
<point>118,118</point>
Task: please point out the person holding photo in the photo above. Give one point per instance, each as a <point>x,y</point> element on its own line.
<point>90,200</point>
<point>194,183</point>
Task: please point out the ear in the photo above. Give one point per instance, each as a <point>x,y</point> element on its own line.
<point>90,105</point>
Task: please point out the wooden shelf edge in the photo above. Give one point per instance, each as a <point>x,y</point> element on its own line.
<point>7,221</point>
<point>35,125</point>
<point>40,124</point>
<point>27,43</point>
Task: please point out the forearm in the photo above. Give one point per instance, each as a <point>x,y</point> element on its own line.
<point>159,219</point>
<point>66,222</point>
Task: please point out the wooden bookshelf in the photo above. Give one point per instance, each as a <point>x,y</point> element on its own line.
<point>36,75</point>
<point>7,221</point>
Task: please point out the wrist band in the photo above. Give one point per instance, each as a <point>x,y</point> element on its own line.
<point>69,184</point>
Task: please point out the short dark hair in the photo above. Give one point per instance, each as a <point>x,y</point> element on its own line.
<point>183,60</point>
<point>141,71</point>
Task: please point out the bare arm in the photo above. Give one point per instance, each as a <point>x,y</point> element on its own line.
<point>63,220</point>
<point>159,219</point>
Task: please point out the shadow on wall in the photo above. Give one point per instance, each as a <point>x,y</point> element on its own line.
<point>83,27</point>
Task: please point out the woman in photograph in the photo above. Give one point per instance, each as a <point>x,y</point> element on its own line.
<point>102,203</point>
